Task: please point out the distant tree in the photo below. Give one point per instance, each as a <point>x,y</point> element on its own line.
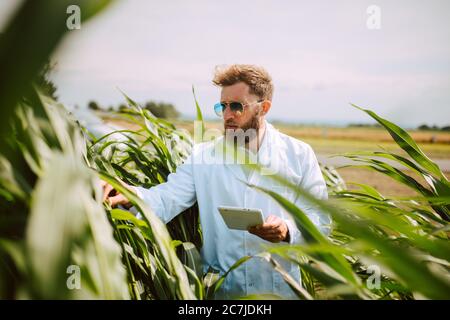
<point>423,127</point>
<point>44,83</point>
<point>93,105</point>
<point>122,107</point>
<point>445,128</point>
<point>162,109</point>
<point>364,125</point>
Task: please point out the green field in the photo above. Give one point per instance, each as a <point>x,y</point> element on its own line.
<point>335,140</point>
<point>61,238</point>
<point>327,141</point>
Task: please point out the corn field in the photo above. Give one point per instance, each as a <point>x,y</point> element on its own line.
<point>52,218</point>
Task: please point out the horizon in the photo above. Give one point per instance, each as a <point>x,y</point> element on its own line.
<point>369,122</point>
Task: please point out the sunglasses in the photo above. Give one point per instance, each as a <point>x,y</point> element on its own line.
<point>235,107</point>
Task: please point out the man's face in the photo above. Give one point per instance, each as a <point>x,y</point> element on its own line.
<point>251,116</point>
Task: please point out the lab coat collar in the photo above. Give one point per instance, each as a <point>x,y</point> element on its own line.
<point>264,156</point>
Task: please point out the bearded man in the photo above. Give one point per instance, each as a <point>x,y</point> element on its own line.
<point>205,178</point>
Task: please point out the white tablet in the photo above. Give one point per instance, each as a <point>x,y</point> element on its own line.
<point>241,218</point>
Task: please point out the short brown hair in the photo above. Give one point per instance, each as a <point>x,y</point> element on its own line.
<point>256,77</point>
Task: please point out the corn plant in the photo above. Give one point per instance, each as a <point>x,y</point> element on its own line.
<point>145,157</point>
<point>52,219</point>
<point>405,238</point>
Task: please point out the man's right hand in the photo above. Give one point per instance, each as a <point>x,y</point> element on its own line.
<point>113,197</point>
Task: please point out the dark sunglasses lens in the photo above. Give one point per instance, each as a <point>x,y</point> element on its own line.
<point>236,106</point>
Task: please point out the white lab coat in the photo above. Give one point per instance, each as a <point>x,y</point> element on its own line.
<point>205,178</point>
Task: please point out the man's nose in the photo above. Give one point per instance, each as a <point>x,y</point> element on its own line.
<point>228,114</point>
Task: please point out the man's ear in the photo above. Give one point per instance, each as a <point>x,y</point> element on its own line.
<point>266,104</point>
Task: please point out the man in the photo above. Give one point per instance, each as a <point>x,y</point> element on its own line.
<point>246,98</point>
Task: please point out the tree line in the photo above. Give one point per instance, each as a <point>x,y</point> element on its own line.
<point>158,109</point>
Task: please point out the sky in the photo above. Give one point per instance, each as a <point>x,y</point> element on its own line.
<point>321,55</point>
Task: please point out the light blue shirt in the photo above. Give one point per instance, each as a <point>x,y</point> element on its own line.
<point>206,178</point>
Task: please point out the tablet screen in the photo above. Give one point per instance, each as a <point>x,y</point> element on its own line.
<point>241,218</point>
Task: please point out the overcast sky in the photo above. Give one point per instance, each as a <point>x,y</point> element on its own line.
<point>321,55</point>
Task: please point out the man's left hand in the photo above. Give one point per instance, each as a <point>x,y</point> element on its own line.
<point>274,229</point>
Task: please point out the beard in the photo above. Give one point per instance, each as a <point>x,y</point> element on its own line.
<point>253,124</point>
